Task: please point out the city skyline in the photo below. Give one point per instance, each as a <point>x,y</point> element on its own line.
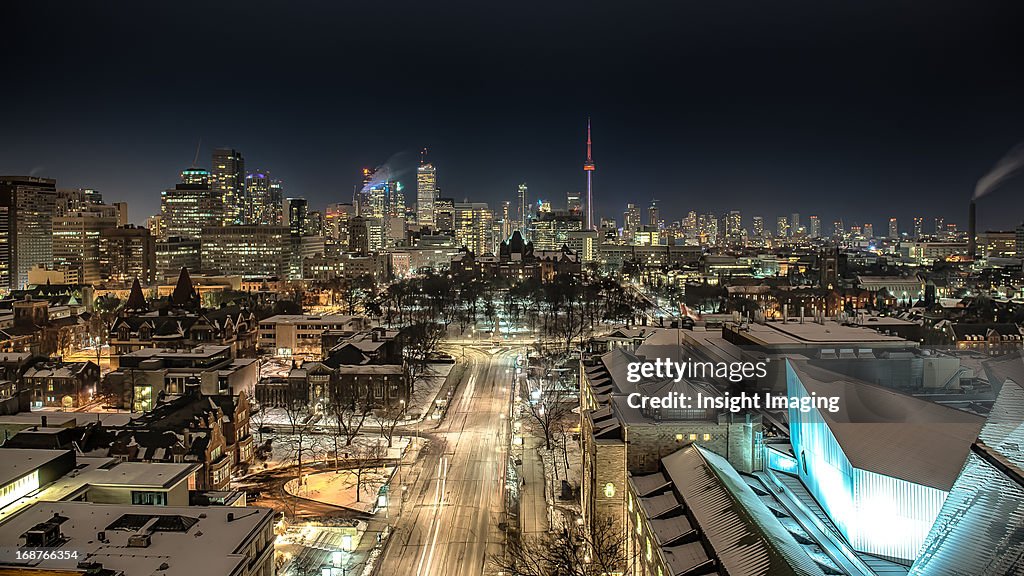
<point>750,120</point>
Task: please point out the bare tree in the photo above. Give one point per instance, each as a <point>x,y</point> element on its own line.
<point>349,413</point>
<point>387,420</point>
<point>571,551</point>
<point>297,412</point>
<point>362,456</point>
<point>547,408</point>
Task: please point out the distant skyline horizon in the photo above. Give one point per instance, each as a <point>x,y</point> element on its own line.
<point>867,110</point>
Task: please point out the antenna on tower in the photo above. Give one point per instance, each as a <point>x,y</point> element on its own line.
<point>195,161</point>
<point>588,140</point>
<point>423,156</point>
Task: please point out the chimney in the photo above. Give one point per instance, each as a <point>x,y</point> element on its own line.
<point>972,242</point>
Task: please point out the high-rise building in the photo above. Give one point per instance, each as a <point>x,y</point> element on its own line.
<point>474,227</point>
<point>551,230</point>
<point>588,167</point>
<point>74,199</point>
<point>76,239</point>
<point>297,210</point>
<point>653,216</point>
<point>838,230</point>
<point>574,203</point>
<point>524,209</point>
<point>444,214</point>
<point>734,224</point>
<point>27,205</point>
<point>250,251</point>
<point>630,221</point>
<point>918,227</point>
<point>191,205</point>
<point>506,223</point>
<point>894,229</point>
<point>707,225</point>
<point>336,222</point>
<point>794,223</point>
<point>815,227</point>
<point>126,253</point>
<point>757,224</point>
<point>264,199</point>
<point>426,192</point>
<point>174,253</point>
<point>155,223</point>
<point>782,226</point>
<point>869,231</point>
<point>358,236</point>
<point>228,179</point>
<point>940,227</point>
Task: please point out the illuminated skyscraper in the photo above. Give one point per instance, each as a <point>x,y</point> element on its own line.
<point>426,191</point>
<point>757,222</point>
<point>444,214</point>
<point>474,227</point>
<point>297,209</point>
<point>192,205</point>
<point>264,202</point>
<point>228,178</point>
<point>794,223</point>
<point>918,227</point>
<point>588,167</point>
<point>815,227</point>
<point>869,231</point>
<point>782,226</point>
<point>524,209</point>
<point>653,216</point>
<point>894,229</point>
<point>940,227</point>
<point>26,226</point>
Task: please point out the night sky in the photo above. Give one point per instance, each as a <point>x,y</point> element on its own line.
<point>855,109</point>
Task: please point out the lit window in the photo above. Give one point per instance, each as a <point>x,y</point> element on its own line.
<point>693,437</point>
<point>707,437</point>
<point>679,437</point>
<point>609,490</point>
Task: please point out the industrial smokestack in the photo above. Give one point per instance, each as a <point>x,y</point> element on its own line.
<point>972,238</point>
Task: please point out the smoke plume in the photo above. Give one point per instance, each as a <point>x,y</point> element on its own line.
<point>1007,167</point>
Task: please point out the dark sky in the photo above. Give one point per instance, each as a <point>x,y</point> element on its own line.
<point>857,109</point>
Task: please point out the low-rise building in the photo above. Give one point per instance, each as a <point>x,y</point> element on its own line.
<point>300,335</point>
<point>59,384</point>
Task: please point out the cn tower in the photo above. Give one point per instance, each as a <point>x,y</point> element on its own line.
<point>588,167</point>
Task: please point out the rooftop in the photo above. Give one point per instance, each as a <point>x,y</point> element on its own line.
<point>894,434</point>
<point>172,531</point>
<point>810,333</point>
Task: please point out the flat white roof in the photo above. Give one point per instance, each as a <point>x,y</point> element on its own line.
<point>19,462</point>
<point>812,333</point>
<point>208,544</point>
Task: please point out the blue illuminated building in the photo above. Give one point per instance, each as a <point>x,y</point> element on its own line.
<point>881,466</point>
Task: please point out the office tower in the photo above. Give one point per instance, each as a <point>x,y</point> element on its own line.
<point>175,253</point>
<point>73,199</point>
<point>838,230</point>
<point>426,191</point>
<point>228,178</point>
<point>315,223</point>
<point>444,214</point>
<point>707,226</point>
<point>122,213</point>
<point>264,199</point>
<point>76,239</point>
<point>869,231</point>
<point>336,221</point>
<point>191,205</point>
<point>296,209</point>
<point>155,223</point>
<point>26,225</point>
<point>247,250</point>
<point>757,224</point>
<point>894,229</point>
<point>506,221</point>
<point>734,224</point>
<point>361,196</point>
<point>551,230</point>
<point>918,227</point>
<point>652,214</point>
<point>574,203</point>
<point>630,221</point>
<point>782,226</point>
<point>815,227</point>
<point>794,223</point>
<point>588,167</point>
<point>940,227</point>
<point>358,236</point>
<point>126,253</point>
<point>524,209</point>
<point>474,227</point>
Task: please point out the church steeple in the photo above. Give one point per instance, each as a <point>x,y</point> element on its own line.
<point>136,299</point>
<point>185,295</point>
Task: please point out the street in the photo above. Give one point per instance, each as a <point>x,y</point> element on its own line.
<point>449,520</point>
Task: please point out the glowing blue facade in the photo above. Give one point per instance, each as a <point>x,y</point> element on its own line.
<point>877,514</point>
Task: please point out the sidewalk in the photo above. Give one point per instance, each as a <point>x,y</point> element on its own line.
<point>533,504</point>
